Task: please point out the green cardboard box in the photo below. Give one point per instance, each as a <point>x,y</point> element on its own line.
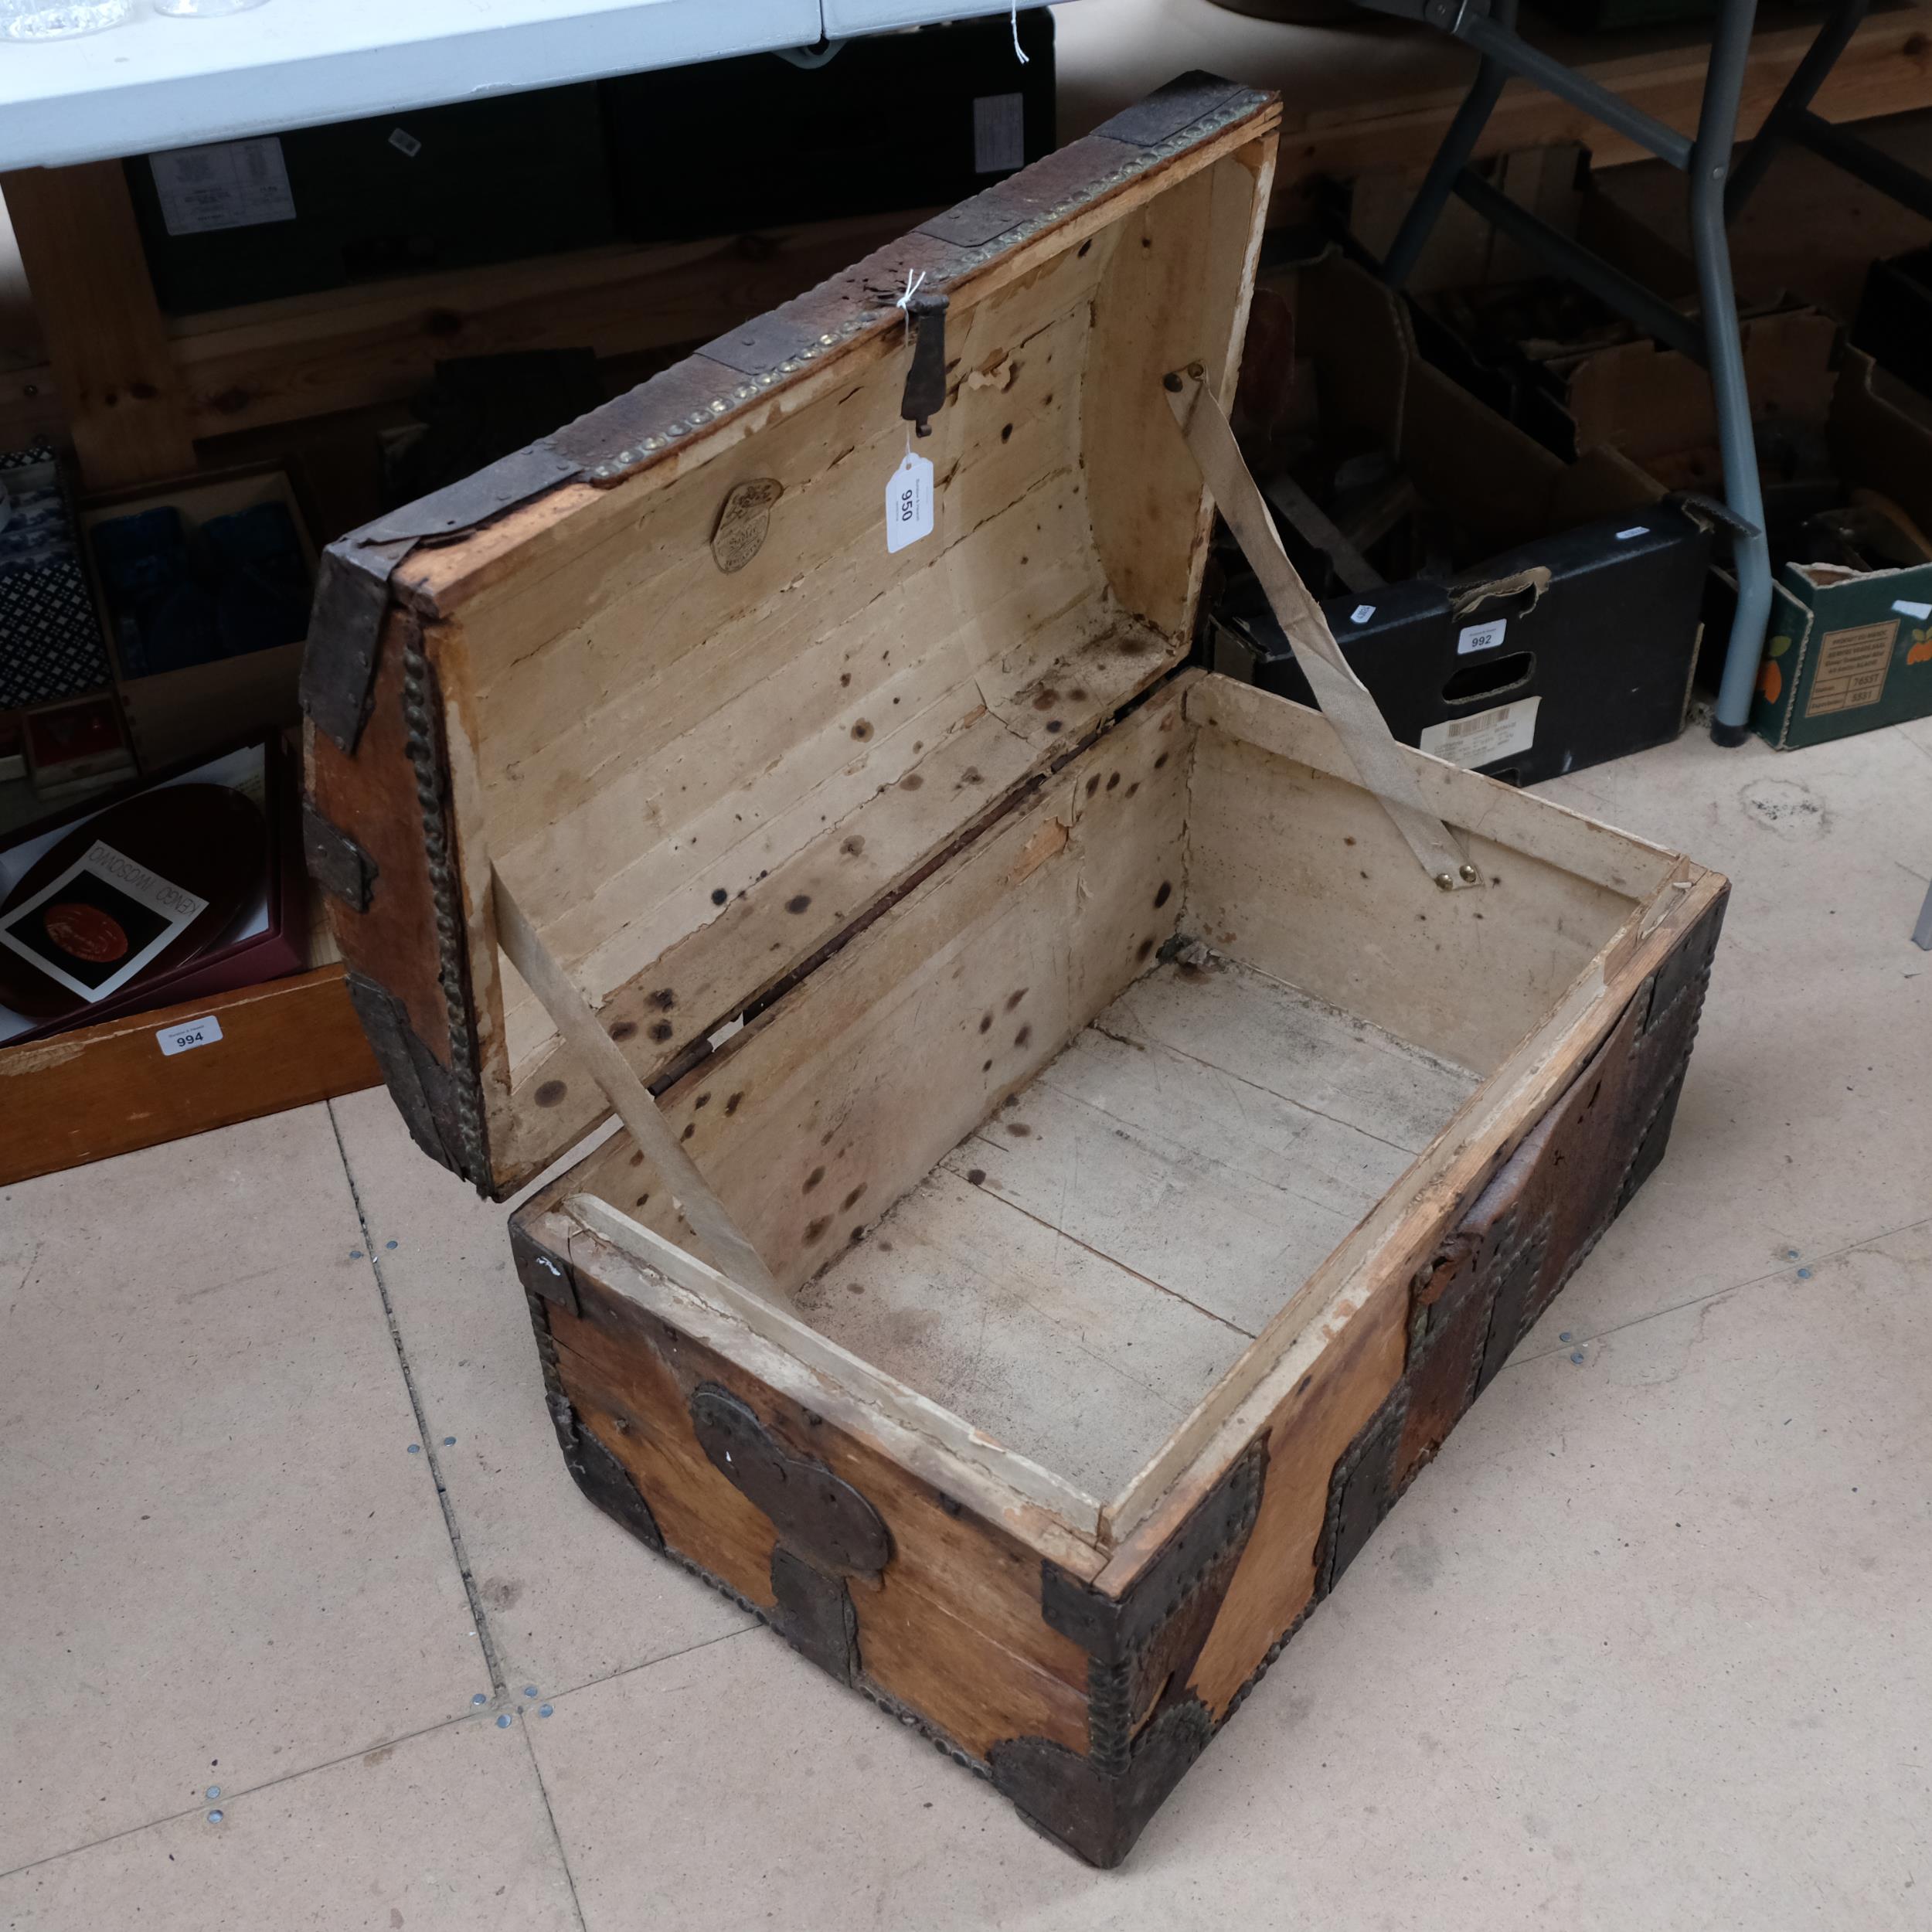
<point>1848,650</point>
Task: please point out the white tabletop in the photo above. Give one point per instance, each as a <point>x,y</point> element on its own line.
<point>155,82</point>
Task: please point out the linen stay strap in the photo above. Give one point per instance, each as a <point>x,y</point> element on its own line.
<point>1383,764</point>
<point>570,1012</point>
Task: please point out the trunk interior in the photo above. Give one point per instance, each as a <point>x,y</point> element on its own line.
<point>1053,1139</point>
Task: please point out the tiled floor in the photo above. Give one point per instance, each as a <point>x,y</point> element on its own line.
<point>1649,1646</point>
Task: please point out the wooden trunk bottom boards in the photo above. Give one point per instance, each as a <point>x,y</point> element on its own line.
<point>1079,1271</point>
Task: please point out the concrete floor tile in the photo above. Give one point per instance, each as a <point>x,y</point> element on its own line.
<point>1644,1648</point>
<point>1802,1115</point>
<point>443,1832</point>
<point>737,1785</point>
<point>567,1595</point>
<point>213,1542</point>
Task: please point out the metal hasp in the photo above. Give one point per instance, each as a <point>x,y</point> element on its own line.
<point>1491,30</point>
<point>926,380</point>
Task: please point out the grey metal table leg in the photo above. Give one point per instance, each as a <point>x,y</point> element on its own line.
<point>1833,38</point>
<point>1709,170</point>
<point>1707,159</point>
<point>1451,158</point>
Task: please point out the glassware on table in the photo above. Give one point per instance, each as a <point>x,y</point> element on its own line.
<point>59,20</point>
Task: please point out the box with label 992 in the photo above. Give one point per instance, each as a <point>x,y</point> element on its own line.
<point>1569,651</point>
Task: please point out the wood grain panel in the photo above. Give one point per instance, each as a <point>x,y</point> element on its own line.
<point>112,361</point>
<point>1275,1579</point>
<point>109,1090</point>
<point>952,1628</point>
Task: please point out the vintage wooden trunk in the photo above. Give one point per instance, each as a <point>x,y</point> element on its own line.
<point>1152,1159</point>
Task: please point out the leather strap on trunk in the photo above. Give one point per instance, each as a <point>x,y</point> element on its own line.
<point>1383,764</point>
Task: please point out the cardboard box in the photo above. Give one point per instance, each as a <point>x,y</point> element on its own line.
<point>219,1042</point>
<point>271,938</point>
<point>1846,649</point>
<point>1849,650</point>
<point>1572,643</point>
<point>179,714</point>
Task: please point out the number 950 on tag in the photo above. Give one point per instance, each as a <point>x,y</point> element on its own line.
<point>909,502</point>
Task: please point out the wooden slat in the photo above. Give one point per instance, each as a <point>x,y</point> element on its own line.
<point>1019,1479</point>
<point>30,406</point>
<point>691,1193</point>
<point>108,1089</point>
<point>111,360</point>
<point>891,1428</point>
<point>280,361</point>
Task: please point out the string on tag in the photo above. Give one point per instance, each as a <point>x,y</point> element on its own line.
<point>902,305</point>
<point>1019,50</point>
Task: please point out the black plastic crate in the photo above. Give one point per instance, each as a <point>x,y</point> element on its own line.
<point>1894,324</point>
<point>915,119</point>
<point>1566,652</point>
<point>458,186</point>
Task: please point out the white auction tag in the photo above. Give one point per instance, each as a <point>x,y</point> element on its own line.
<point>190,1032</point>
<point>909,502</point>
<point>1480,637</point>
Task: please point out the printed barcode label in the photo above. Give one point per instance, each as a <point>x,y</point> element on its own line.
<point>1362,614</point>
<point>231,184</point>
<point>1480,637</point>
<point>190,1033</point>
<point>1636,529</point>
<point>1484,736</point>
<point>999,133</point>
